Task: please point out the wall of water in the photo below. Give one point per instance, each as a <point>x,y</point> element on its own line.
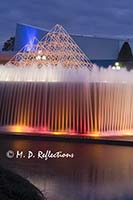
<point>54,99</point>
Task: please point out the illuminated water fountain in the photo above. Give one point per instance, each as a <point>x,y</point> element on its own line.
<point>52,87</point>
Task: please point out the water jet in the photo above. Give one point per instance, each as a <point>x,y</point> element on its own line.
<point>52,87</point>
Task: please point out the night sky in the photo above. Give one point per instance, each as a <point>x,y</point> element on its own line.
<point>106,17</point>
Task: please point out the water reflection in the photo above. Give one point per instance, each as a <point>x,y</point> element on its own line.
<point>99,172</point>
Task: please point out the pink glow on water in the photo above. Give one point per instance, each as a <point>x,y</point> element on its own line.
<point>43,131</point>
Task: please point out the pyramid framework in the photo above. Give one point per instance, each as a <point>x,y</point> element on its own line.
<point>56,47</point>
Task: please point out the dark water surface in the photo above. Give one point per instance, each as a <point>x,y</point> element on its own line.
<point>97,172</point>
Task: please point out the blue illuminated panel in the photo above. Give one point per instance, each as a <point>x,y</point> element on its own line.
<point>25,34</point>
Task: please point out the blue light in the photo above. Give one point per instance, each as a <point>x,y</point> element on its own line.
<point>25,35</point>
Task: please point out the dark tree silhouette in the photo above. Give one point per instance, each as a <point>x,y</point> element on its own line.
<point>125,53</point>
<point>9,44</point>
<point>15,187</point>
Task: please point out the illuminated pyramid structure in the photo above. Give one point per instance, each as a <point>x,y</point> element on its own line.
<point>57,47</point>
<point>29,54</point>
